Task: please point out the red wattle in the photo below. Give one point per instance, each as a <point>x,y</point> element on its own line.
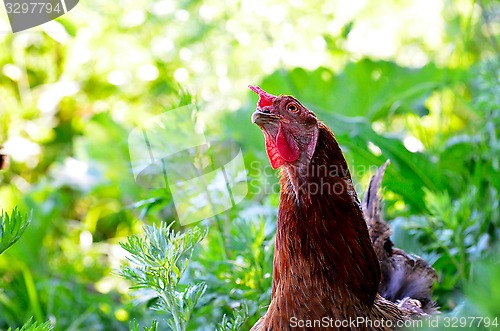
<point>287,147</point>
<point>272,153</point>
<point>283,149</point>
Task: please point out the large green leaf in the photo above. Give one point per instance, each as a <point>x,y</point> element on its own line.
<point>364,92</point>
<point>372,89</point>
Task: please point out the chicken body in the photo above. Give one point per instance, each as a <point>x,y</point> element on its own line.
<point>327,273</point>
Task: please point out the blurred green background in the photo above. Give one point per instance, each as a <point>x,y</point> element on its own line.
<point>416,82</point>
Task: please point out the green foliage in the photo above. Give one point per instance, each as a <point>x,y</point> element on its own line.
<point>236,323</point>
<point>485,283</point>
<point>160,260</point>
<point>461,222</point>
<point>134,326</point>
<point>34,326</point>
<point>236,265</point>
<point>157,262</point>
<point>12,228</point>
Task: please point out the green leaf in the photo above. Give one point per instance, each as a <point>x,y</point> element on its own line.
<point>29,326</point>
<point>12,228</point>
<point>372,89</point>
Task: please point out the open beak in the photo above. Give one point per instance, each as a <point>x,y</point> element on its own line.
<point>261,117</point>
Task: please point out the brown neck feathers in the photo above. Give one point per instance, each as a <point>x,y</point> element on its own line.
<point>321,233</point>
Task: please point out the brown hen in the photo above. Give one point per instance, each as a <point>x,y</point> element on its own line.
<point>335,267</point>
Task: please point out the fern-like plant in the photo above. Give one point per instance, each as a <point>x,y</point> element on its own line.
<point>134,326</point>
<point>240,316</point>
<point>12,228</point>
<point>30,326</point>
<point>157,262</point>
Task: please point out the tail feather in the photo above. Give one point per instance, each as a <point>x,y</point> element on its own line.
<point>380,232</point>
<point>406,279</point>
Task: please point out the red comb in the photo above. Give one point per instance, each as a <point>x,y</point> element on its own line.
<point>266,99</point>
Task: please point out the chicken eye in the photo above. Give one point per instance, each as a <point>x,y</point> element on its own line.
<point>293,108</point>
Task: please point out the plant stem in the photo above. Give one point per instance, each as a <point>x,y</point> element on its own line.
<point>168,298</point>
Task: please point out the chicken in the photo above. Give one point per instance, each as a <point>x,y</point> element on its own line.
<point>334,269</point>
